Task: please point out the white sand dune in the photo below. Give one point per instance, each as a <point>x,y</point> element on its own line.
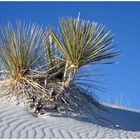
<point>16,122</point>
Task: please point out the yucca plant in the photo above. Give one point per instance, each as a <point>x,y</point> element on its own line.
<point>54,58</point>
<point>22,61</point>
<point>37,63</point>
<point>83,43</point>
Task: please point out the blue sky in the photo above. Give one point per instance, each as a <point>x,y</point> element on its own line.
<point>122,18</point>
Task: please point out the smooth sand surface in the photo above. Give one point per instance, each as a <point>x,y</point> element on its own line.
<point>16,122</point>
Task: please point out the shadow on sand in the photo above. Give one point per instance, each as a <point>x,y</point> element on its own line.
<point>115,118</point>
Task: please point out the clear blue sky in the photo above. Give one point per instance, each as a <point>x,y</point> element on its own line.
<point>122,18</point>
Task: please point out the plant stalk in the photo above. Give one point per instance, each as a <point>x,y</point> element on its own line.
<point>69,75</point>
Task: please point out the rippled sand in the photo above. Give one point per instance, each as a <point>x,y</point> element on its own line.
<point>16,122</point>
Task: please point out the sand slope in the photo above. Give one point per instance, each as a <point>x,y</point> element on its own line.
<point>16,122</point>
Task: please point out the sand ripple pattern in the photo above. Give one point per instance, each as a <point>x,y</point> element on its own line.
<point>16,122</point>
